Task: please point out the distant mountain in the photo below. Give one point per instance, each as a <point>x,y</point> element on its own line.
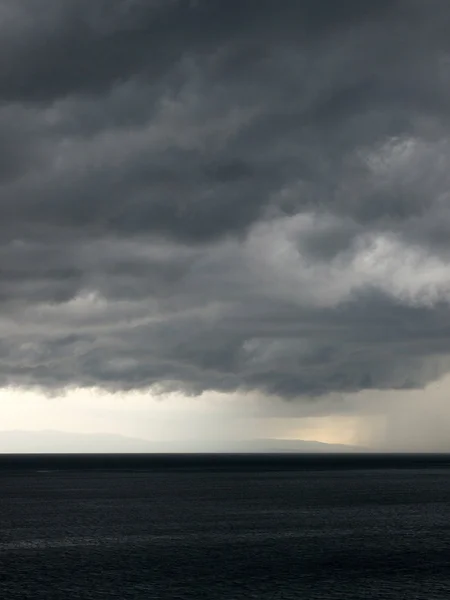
<point>280,445</point>
<point>61,442</point>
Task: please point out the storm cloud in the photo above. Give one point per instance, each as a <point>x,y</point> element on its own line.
<point>224,195</point>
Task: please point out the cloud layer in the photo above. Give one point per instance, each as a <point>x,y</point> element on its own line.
<point>221,195</point>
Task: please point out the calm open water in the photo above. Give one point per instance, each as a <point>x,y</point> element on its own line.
<point>226,533</point>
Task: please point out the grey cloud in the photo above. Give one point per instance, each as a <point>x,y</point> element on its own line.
<point>78,46</point>
<point>298,355</point>
<point>224,195</point>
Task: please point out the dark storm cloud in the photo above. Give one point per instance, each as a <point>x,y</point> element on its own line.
<point>79,46</point>
<point>224,195</point>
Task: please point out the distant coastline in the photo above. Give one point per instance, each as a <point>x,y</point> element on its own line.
<point>50,441</point>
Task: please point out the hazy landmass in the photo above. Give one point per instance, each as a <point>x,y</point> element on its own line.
<point>59,441</point>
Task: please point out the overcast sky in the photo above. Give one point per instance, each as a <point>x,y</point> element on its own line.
<point>226,216</point>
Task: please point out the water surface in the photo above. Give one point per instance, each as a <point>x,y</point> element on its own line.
<point>302,531</point>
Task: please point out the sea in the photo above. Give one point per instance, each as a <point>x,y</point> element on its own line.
<point>224,527</point>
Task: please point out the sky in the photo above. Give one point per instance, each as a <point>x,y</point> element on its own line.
<point>226,219</point>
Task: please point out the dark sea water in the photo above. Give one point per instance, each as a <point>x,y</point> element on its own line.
<point>317,529</point>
